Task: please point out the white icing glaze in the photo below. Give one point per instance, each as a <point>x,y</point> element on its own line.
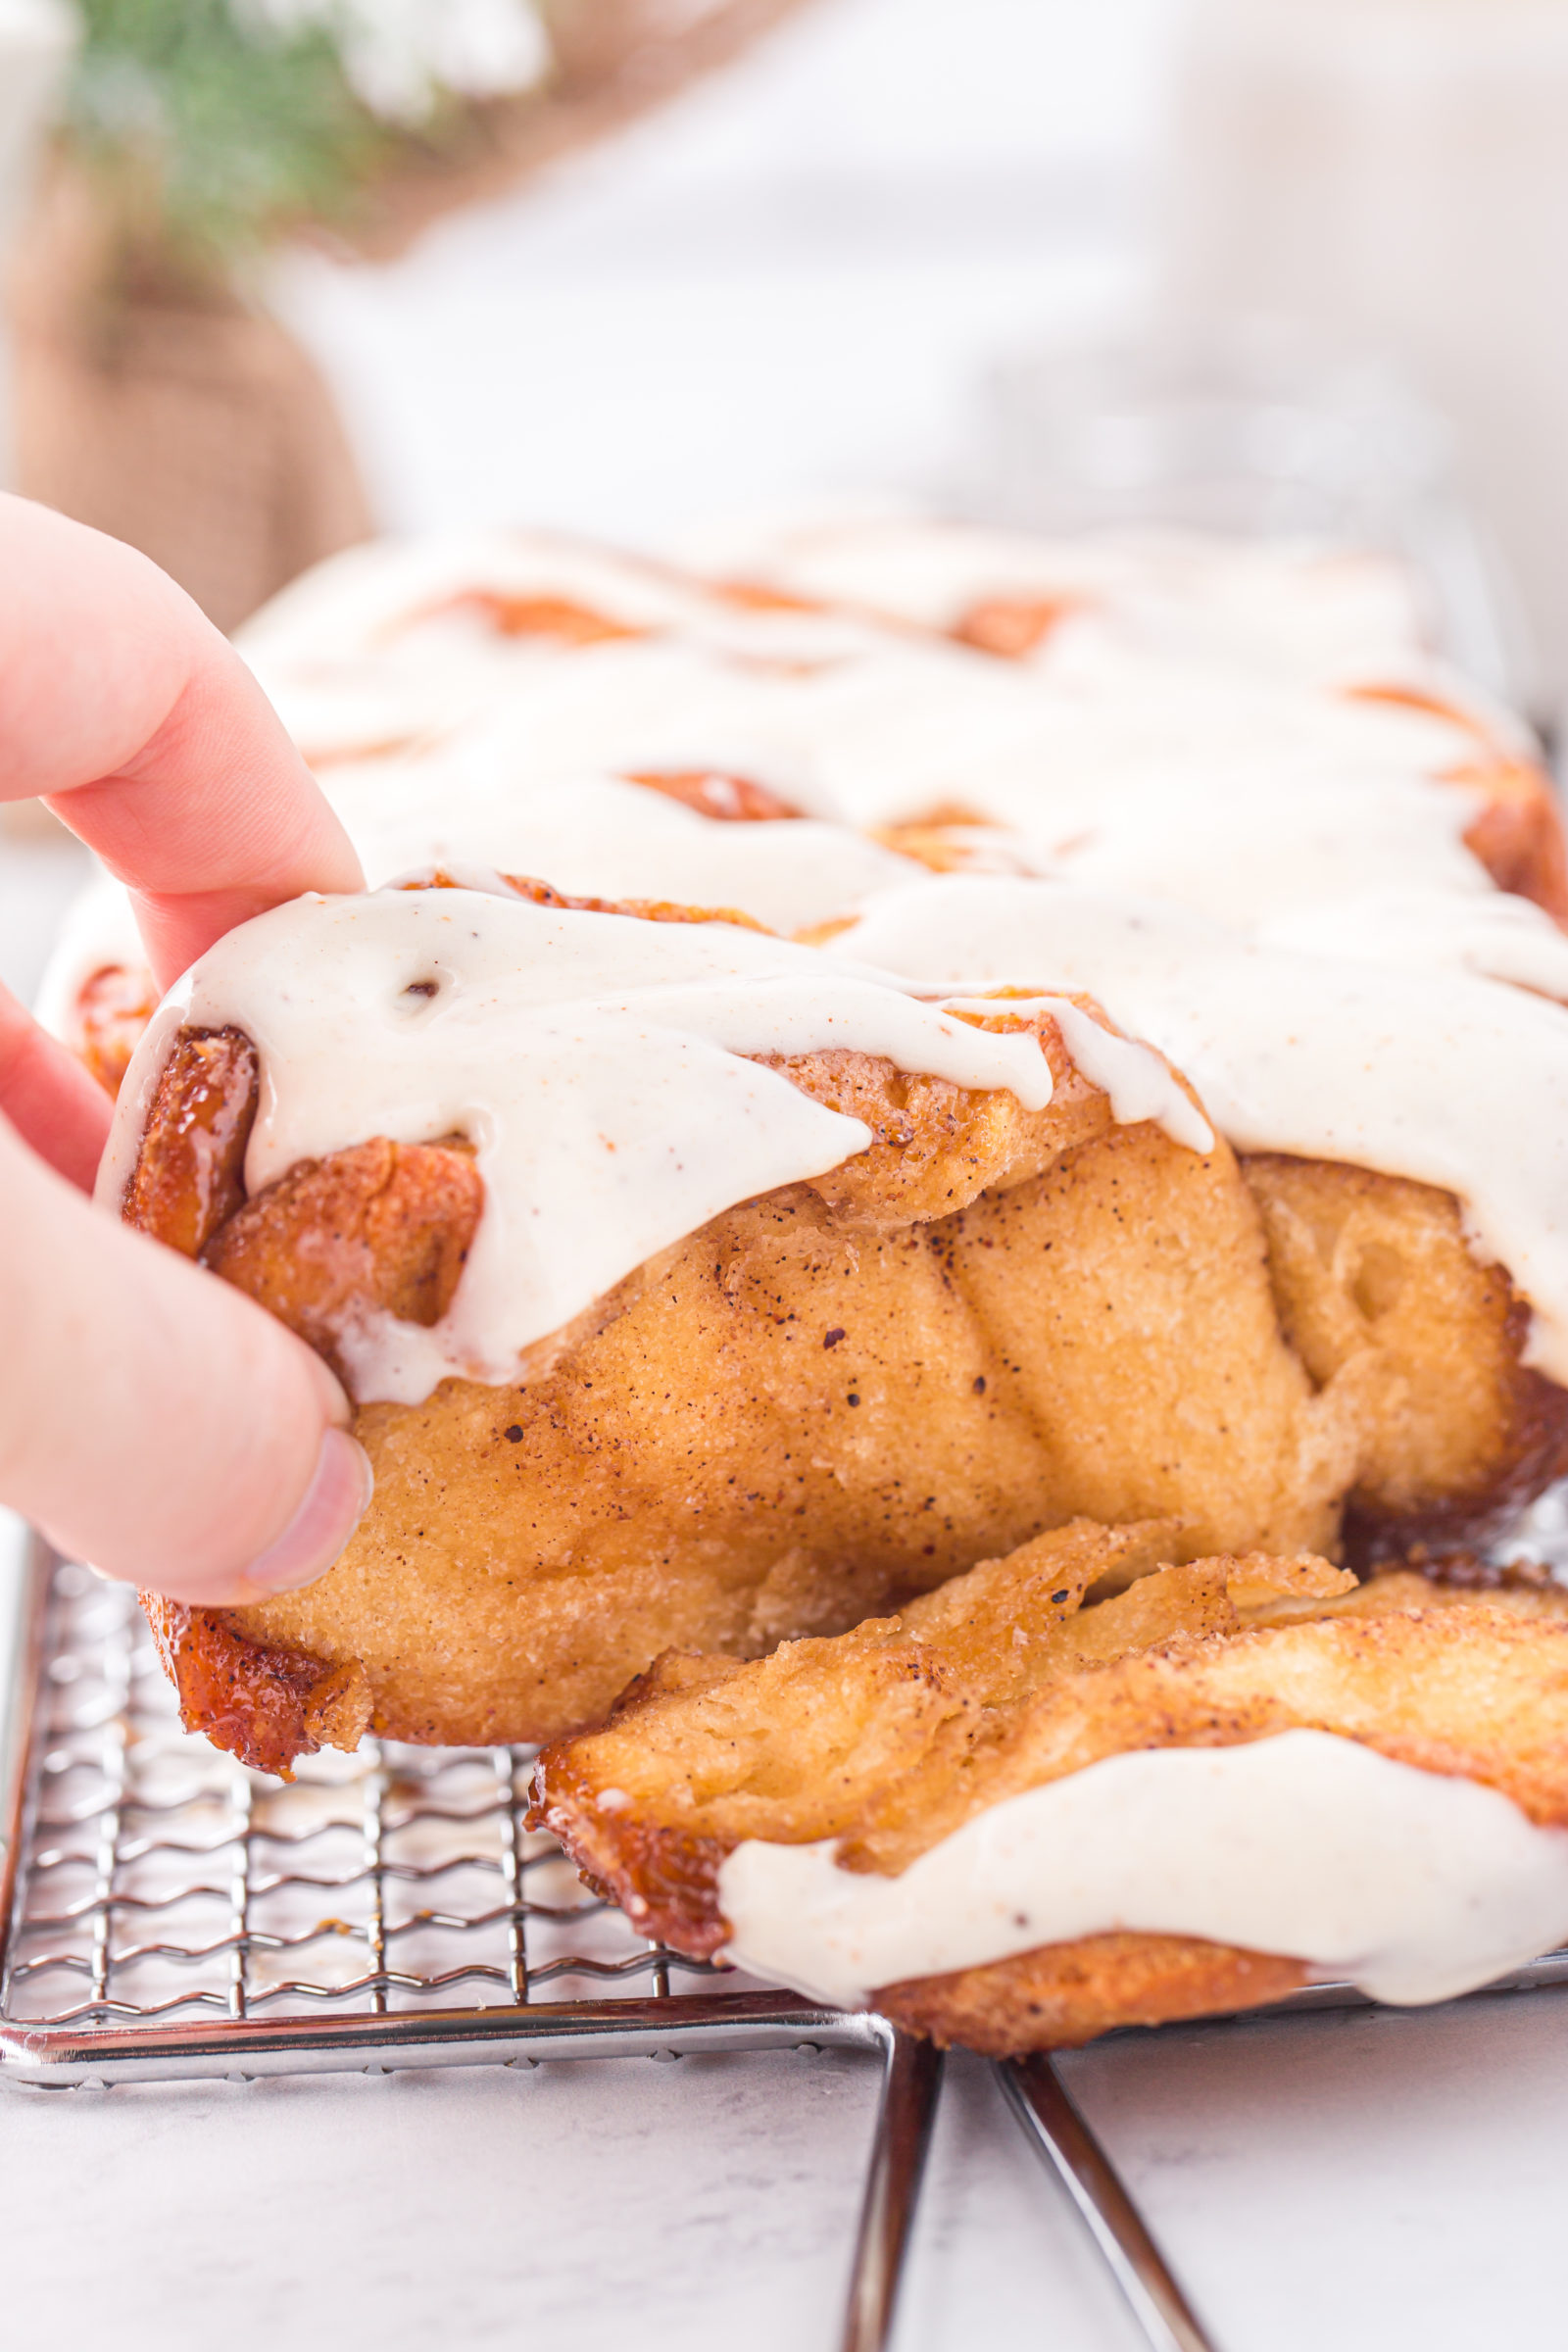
<point>861,739</point>
<point>1182,735</point>
<point>387,643</point>
<point>1136,747</point>
<point>894,726</point>
<point>1217,847</point>
<point>1486,932</point>
<point>1414,1885</point>
<point>1139,1083</point>
<point>1231,853</point>
<point>1427,1072</point>
<point>1296,605</point>
<point>602,837</point>
<point>595,1062</point>
<point>1130,761</point>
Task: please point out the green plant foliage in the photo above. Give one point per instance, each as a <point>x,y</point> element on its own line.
<point>210,131</point>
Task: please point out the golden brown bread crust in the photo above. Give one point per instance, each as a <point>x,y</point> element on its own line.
<point>830,1719</point>
<point>1377,1287</point>
<point>382,1228</point>
<point>1013,626</point>
<point>1518,835</point>
<point>544,893</point>
<point>267,1706</point>
<point>732,800</point>
<point>647,910</point>
<point>830,1398</point>
<point>989,1320</point>
<point>558,618</point>
<point>1065,1993</point>
<point>894,1735</point>
<point>189,1177</point>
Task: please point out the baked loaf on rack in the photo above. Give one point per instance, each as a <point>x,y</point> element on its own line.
<point>837,1390</point>
<point>823,1398</point>
<point>843,1805</point>
<point>1316,1300</point>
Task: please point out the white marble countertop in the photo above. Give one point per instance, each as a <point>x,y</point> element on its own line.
<point>1358,2180</point>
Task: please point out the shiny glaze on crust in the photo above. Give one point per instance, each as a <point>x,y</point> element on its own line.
<point>265,1705</point>
<point>188,1179</point>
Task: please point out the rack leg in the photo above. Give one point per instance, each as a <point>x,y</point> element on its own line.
<point>1054,2125</point>
<point>911,2078</point>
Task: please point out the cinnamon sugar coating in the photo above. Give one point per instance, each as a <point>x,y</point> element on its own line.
<point>824,1400</point>
<point>189,1177</point>
<point>383,1228</point>
<point>1064,1994</point>
<point>842,1392</point>
<point>1015,1675</point>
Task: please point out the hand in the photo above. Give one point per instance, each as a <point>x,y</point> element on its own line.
<point>152,1420</point>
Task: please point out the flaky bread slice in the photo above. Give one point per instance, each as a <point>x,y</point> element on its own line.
<point>834,1396</point>
<point>1380,1292</point>
<point>825,1400</point>
<point>894,1735</point>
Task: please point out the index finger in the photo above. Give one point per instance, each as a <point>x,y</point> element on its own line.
<point>126,710</point>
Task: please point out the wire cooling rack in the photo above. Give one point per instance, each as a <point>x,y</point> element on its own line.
<point>169,1912</point>
<point>166,1914</point>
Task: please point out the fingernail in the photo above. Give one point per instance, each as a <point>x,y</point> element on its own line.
<point>334,1403</point>
<point>335,1501</point>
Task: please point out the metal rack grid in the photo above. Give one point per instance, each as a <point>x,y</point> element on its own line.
<point>166,1914</point>
<point>166,1910</point>
<point>163,1881</point>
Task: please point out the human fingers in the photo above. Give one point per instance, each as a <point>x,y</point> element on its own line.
<point>48,1096</point>
<point>153,1421</point>
<point>141,726</point>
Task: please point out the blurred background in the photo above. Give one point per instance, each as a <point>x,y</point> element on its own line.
<point>282,272</point>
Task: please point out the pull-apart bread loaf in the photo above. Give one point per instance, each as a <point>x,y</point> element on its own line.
<point>1053,1055</point>
<point>673,1321</point>
<point>1245,731</point>
<point>700,1289</point>
<point>1401,1122</point>
<point>1073,1789</point>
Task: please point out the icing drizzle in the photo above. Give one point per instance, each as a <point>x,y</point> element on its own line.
<point>1426,1071</point>
<point>600,1066</point>
<point>1414,1885</point>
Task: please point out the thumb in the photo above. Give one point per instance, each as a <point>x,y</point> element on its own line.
<point>153,1421</point>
